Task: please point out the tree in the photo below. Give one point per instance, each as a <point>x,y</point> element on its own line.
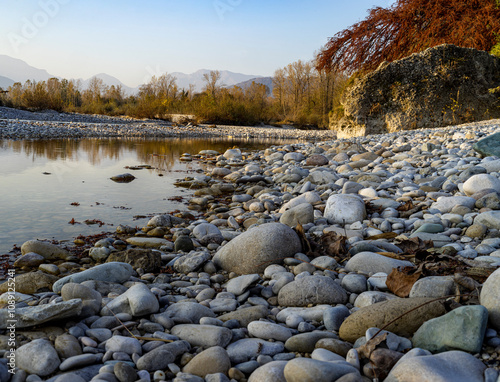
<point>411,26</point>
<point>212,80</point>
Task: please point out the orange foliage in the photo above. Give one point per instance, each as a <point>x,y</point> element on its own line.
<point>410,26</point>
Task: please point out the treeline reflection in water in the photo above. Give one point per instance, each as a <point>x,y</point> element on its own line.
<point>156,152</point>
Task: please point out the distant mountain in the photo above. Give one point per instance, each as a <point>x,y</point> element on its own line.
<point>19,71</point>
<point>110,80</point>
<point>6,82</point>
<point>267,81</point>
<point>227,78</point>
<point>15,70</point>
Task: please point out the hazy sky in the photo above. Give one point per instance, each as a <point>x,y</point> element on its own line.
<point>133,40</point>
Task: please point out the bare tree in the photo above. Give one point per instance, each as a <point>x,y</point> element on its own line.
<point>212,80</point>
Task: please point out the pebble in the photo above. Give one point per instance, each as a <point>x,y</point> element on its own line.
<point>460,329</point>
<point>38,357</point>
<point>203,335</point>
<point>213,360</point>
<point>448,366</point>
<point>237,305</point>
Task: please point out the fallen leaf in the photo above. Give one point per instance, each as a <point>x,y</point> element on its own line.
<point>406,207</point>
<point>385,235</point>
<point>401,282</point>
<point>366,350</point>
<point>334,244</point>
<point>303,239</point>
<point>393,255</point>
<point>414,245</point>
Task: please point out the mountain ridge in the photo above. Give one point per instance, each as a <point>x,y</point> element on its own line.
<point>15,70</point>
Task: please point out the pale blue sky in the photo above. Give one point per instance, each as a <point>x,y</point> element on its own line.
<point>132,40</point>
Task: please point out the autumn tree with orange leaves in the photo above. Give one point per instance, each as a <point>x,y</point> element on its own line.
<point>411,26</point>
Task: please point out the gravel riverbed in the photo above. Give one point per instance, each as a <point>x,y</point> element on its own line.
<point>291,262</point>
<point>19,124</point>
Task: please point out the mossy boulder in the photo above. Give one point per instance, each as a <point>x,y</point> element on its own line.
<point>441,86</point>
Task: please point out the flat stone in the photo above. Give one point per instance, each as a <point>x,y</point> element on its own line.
<point>380,314</point>
<point>40,314</point>
<point>268,330</point>
<point>312,290</point>
<point>312,370</point>
<point>367,262</point>
<point>255,249</point>
<point>456,366</point>
<point>307,314</point>
<point>437,239</point>
<point>461,329</point>
<point>203,335</point>
<point>123,178</point>
<point>109,272</point>
<point>79,361</point>
<point>147,242</point>
<point>47,250</point>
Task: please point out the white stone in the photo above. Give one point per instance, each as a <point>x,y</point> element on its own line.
<point>268,330</point>
<point>345,208</point>
<point>481,182</point>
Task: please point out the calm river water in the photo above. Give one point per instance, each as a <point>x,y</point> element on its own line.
<point>46,184</point>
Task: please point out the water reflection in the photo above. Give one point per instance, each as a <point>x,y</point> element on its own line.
<point>159,152</point>
<point>40,179</point>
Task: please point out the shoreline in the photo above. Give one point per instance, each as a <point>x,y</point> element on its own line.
<point>19,124</point>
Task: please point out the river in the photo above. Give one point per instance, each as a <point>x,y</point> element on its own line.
<point>46,184</point>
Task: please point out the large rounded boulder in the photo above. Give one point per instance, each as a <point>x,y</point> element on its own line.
<point>255,249</point>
